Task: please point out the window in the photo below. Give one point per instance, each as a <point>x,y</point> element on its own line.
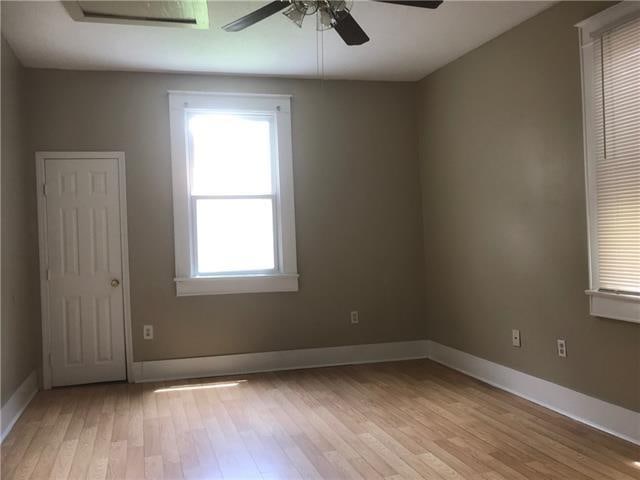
<point>610,47</point>
<point>232,193</point>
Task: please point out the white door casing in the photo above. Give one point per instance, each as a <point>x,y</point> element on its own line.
<point>83,256</point>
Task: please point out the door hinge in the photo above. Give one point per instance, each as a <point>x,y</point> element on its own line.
<point>48,274</point>
<point>45,190</point>
<point>50,362</point>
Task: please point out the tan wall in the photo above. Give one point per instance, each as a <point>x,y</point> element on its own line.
<point>20,287</point>
<point>357,200</point>
<point>504,211</point>
<point>502,200</point>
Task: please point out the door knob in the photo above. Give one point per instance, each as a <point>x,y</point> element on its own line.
<point>115,282</point>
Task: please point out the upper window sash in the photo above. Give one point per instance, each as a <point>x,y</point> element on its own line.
<point>268,117</point>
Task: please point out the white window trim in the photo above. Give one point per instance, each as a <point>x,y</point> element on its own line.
<point>618,306</point>
<point>285,276</point>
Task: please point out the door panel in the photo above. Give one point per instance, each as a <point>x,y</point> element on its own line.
<point>84,258</point>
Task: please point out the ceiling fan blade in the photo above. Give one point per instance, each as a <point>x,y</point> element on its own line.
<point>417,3</point>
<point>350,31</point>
<point>254,17</point>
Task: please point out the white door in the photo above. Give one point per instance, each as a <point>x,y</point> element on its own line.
<point>84,270</point>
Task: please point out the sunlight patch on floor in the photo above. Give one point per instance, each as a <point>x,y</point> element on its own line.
<point>199,386</point>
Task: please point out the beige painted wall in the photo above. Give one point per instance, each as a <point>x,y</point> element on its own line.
<point>504,211</point>
<point>500,150</point>
<point>357,200</point>
<point>20,319</point>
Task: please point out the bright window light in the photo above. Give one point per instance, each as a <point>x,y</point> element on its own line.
<point>232,193</point>
<point>234,235</point>
<point>233,197</point>
<point>231,154</point>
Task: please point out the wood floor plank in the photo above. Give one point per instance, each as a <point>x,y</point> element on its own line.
<point>64,459</point>
<point>117,466</point>
<point>13,453</point>
<point>398,420</point>
<point>135,462</point>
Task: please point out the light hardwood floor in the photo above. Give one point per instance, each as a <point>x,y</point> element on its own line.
<point>413,419</point>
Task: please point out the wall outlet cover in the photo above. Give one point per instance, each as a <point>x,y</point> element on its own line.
<point>355,317</point>
<point>562,348</point>
<point>515,338</point>
<point>147,332</point>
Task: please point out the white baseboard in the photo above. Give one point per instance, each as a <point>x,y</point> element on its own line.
<point>599,414</point>
<point>158,370</point>
<point>14,407</point>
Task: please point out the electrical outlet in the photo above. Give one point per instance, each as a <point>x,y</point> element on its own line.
<point>562,348</point>
<point>355,317</point>
<point>515,338</point>
<point>147,332</point>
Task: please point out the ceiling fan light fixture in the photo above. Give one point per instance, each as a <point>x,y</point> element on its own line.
<point>295,14</point>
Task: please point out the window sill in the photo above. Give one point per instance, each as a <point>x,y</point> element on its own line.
<point>226,285</point>
<point>617,306</point>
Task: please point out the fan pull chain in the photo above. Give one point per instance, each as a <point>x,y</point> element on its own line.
<point>322,57</point>
<point>319,48</point>
<point>320,72</point>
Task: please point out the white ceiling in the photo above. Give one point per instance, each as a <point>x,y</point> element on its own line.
<point>406,43</point>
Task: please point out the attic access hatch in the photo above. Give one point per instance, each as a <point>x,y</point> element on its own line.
<point>189,13</point>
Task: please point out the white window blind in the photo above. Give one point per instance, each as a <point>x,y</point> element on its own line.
<point>616,82</point>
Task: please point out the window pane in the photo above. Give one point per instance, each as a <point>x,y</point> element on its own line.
<point>231,154</point>
<point>234,235</point>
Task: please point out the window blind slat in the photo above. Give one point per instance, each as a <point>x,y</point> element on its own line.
<point>617,123</point>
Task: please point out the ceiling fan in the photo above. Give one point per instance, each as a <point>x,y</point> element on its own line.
<point>331,14</point>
